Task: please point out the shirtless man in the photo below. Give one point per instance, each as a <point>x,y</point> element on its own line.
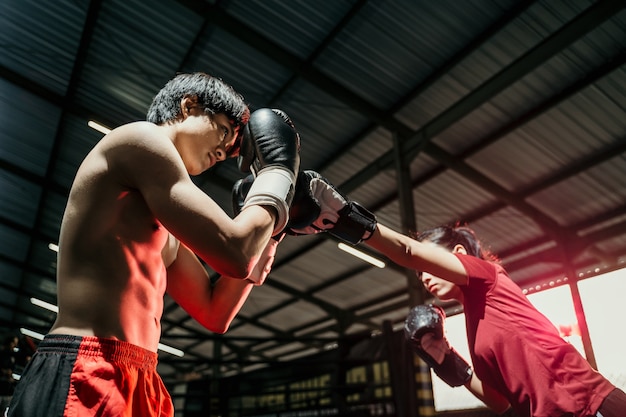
<point>133,229</point>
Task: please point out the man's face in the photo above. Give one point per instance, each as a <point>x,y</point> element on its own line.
<point>205,139</point>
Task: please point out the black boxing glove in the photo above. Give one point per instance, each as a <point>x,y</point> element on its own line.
<point>423,329</point>
<point>269,138</point>
<point>270,150</point>
<point>301,213</point>
<point>319,207</point>
<point>239,192</point>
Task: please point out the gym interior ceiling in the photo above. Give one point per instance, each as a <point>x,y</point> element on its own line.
<point>507,115</point>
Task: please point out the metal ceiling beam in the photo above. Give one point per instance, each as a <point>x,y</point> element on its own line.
<point>572,89</point>
<point>308,64</point>
<point>550,103</point>
<point>221,18</point>
<point>474,45</point>
<point>570,32</point>
<point>414,287</point>
<point>27,84</point>
<point>542,184</point>
<point>554,255</point>
<point>298,295</point>
<point>548,224</point>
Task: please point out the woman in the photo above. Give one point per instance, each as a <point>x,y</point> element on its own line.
<point>518,356</point>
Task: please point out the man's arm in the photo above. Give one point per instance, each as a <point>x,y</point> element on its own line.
<point>214,306</point>
<point>144,159</point>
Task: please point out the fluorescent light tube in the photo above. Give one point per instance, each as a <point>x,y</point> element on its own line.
<point>355,252</point>
<point>44,304</point>
<point>97,126</point>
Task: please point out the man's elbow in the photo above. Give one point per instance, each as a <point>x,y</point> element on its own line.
<point>236,267</point>
<point>241,271</point>
<point>218,326</point>
<point>220,330</point>
<point>240,262</point>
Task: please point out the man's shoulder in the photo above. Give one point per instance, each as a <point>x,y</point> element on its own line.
<point>136,131</point>
<point>128,142</point>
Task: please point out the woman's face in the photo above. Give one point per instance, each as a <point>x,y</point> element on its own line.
<point>440,288</point>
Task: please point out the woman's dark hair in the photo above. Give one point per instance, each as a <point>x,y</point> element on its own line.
<point>450,236</point>
<point>212,94</point>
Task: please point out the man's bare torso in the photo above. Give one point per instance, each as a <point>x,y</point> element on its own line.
<point>111,276</point>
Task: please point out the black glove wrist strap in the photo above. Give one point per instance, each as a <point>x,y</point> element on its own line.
<point>355,224</point>
<point>454,370</point>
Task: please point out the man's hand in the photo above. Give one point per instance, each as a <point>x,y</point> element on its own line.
<point>270,148</point>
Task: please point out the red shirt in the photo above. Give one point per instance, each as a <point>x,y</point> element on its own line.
<point>516,350</point>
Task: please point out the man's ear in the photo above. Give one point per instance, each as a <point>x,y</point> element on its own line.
<point>186,104</point>
<point>459,249</point>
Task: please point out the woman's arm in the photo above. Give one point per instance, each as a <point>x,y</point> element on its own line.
<point>492,398</point>
<point>421,256</point>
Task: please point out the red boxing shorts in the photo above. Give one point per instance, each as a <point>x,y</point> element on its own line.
<point>89,376</point>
